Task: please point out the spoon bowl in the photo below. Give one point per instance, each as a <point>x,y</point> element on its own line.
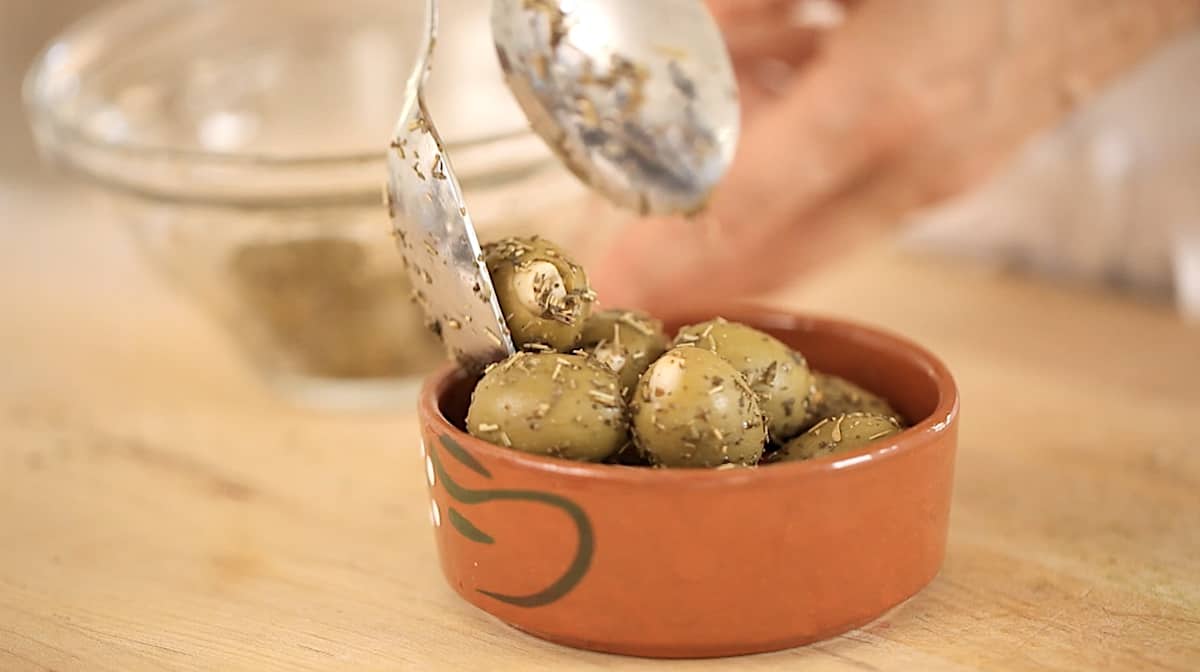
<point>637,98</point>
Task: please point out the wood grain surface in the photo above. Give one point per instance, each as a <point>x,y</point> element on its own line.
<point>161,510</point>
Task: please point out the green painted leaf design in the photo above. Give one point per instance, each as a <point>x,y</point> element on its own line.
<point>468,460</point>
<point>579,565</point>
<point>468,529</point>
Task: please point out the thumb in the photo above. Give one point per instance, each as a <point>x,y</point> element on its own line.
<point>828,131</point>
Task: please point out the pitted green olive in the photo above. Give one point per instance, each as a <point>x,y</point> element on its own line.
<point>693,409</point>
<point>839,434</point>
<point>717,396</point>
<point>836,396</point>
<point>544,295</point>
<point>625,341</point>
<point>561,405</point>
<point>777,374</point>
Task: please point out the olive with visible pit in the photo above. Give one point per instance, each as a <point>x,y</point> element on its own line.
<point>778,375</point>
<point>565,406</point>
<point>626,341</point>
<point>544,295</point>
<point>693,409</point>
<point>839,434</point>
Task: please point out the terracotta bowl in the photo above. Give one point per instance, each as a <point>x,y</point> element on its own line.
<point>700,563</point>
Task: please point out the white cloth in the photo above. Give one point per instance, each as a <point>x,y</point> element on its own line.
<point>1111,196</point>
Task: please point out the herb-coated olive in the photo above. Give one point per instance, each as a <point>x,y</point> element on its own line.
<point>693,409</point>
<point>839,434</point>
<point>626,341</point>
<point>544,295</point>
<point>777,374</point>
<point>562,405</point>
<point>836,395</point>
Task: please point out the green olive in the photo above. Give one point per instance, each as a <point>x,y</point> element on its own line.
<point>836,395</point>
<point>561,405</point>
<point>838,434</point>
<point>626,341</point>
<point>544,295</point>
<point>777,374</point>
<point>693,409</point>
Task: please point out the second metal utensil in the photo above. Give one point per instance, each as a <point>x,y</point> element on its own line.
<point>637,97</point>
<point>434,231</point>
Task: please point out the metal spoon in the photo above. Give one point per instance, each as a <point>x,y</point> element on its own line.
<point>637,97</point>
<point>434,232</point>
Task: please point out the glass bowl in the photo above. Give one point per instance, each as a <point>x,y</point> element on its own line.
<point>242,141</point>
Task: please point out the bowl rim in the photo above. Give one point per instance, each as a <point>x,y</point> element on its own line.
<point>943,417</point>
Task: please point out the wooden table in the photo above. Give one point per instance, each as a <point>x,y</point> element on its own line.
<point>160,510</point>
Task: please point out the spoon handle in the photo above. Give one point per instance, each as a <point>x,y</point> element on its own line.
<point>434,233</point>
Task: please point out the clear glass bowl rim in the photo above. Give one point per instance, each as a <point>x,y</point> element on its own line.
<point>63,140</point>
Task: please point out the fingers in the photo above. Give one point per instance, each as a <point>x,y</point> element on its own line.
<point>807,246</point>
<point>776,29</point>
<point>862,213</point>
<point>750,42</point>
<point>906,103</point>
<point>826,132</point>
<point>768,56</point>
<point>770,41</point>
<point>746,240</point>
<point>732,10</point>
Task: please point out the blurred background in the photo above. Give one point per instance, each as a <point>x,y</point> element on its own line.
<point>196,267</point>
<point>1109,198</point>
<point>230,156</point>
<point>232,152</point>
<point>25,27</point>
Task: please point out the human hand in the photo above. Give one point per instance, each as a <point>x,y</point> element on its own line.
<point>847,129</point>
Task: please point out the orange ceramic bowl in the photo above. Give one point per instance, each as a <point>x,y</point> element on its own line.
<point>687,563</point>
